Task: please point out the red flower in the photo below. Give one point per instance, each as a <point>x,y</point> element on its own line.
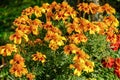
<point>117,67</point>
<point>117,71</point>
<point>115,46</point>
<point>117,62</point>
<point>108,62</point>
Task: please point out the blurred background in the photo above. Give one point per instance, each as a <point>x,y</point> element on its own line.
<point>11,9</point>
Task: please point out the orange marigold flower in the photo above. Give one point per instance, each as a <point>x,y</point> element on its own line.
<point>83,23</point>
<point>81,54</point>
<point>37,11</point>
<point>22,20</point>
<point>35,24</point>
<point>54,4</point>
<point>72,27</point>
<point>53,45</point>
<point>77,72</point>
<point>18,70</point>
<point>84,7</point>
<point>8,49</point>
<point>57,7</point>
<point>52,36</point>
<point>39,57</point>
<point>34,29</point>
<point>60,15</point>
<point>108,9</point>
<point>49,15</point>
<point>89,65</point>
<point>24,28</point>
<point>49,27</point>
<point>102,26</point>
<point>100,9</point>
<point>93,28</point>
<point>70,12</point>
<point>17,37</point>
<point>111,36</point>
<point>30,76</point>
<point>28,11</point>
<point>18,59</point>
<point>93,8</point>
<point>78,66</point>
<point>56,42</point>
<point>77,38</point>
<point>111,21</point>
<point>81,64</point>
<point>46,6</point>
<point>64,4</point>
<point>71,48</point>
<point>67,49</point>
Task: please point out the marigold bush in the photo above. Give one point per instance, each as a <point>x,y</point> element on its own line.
<point>59,42</point>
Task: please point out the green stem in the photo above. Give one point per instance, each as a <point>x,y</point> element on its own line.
<point>84,15</point>
<point>89,17</point>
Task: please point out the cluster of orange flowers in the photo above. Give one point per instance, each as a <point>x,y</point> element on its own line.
<point>94,8</point>
<point>81,59</point>
<point>39,57</point>
<point>112,22</point>
<point>61,11</point>
<point>18,67</point>
<point>53,36</point>
<point>76,28</point>
<point>55,11</point>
